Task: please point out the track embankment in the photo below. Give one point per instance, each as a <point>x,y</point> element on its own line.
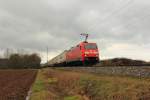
<point>134,71</point>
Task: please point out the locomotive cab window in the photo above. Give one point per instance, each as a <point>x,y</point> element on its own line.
<point>80,47</point>
<point>90,46</point>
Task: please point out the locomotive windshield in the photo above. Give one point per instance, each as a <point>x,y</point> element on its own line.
<point>90,46</point>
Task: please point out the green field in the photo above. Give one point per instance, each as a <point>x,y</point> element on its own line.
<point>54,84</point>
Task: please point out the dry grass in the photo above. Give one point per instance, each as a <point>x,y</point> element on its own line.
<point>64,85</point>
<point>115,88</point>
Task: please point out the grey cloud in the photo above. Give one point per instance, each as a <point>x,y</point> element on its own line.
<point>35,24</point>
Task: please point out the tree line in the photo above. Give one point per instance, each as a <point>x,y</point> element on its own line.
<point>23,61</point>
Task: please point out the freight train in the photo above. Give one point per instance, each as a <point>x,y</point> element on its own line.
<point>82,54</point>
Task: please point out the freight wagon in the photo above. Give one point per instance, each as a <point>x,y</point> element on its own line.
<point>58,60</point>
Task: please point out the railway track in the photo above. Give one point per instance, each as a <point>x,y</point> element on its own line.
<point>135,71</point>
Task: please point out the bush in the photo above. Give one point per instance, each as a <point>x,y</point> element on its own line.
<point>24,61</point>
<point>123,62</point>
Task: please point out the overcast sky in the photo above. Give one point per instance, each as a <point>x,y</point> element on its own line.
<point>119,27</point>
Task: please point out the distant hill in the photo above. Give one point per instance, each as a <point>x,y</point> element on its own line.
<point>123,62</point>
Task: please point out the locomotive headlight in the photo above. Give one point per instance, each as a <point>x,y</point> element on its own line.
<point>86,53</point>
<point>97,55</point>
<point>95,52</point>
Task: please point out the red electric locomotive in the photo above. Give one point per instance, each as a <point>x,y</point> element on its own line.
<point>83,53</point>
